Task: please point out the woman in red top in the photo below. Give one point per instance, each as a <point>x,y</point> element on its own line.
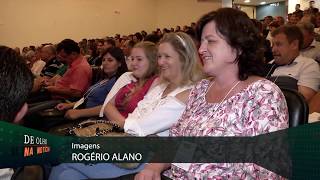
<point>144,69</point>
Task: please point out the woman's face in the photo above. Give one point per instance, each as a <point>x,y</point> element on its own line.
<point>110,64</point>
<point>214,51</point>
<point>169,63</point>
<point>139,62</point>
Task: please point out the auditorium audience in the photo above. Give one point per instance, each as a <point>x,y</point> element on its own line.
<point>294,18</point>
<point>17,49</point>
<point>30,58</point>
<point>113,66</point>
<point>77,78</point>
<point>272,26</point>
<point>235,99</point>
<point>236,102</point>
<point>179,69</point>
<point>287,43</point>
<point>97,61</point>
<point>312,9</point>
<point>267,20</point>
<point>48,55</point>
<point>280,20</point>
<point>38,64</point>
<point>178,29</point>
<point>51,68</point>
<point>310,48</point>
<point>144,69</point>
<point>92,53</point>
<point>126,48</point>
<point>109,43</point>
<point>24,51</point>
<point>267,51</point>
<point>297,9</point>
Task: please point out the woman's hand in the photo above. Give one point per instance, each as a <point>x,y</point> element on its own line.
<point>64,106</point>
<point>148,174</point>
<point>152,171</point>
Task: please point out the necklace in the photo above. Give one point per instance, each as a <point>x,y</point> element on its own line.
<point>211,113</point>
<point>268,76</point>
<point>224,98</point>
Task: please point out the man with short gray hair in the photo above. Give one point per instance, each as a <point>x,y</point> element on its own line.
<point>48,55</point>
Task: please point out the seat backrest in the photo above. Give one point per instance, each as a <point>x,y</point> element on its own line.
<point>297,107</point>
<point>40,106</point>
<point>285,82</point>
<point>96,74</point>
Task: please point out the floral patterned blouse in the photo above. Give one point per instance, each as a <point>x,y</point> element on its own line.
<point>260,108</point>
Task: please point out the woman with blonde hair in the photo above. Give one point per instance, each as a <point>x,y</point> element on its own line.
<point>144,69</point>
<point>180,69</point>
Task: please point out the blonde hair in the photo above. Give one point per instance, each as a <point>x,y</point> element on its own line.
<point>150,51</point>
<point>185,47</point>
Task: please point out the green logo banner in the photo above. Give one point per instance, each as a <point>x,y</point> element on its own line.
<point>292,153</point>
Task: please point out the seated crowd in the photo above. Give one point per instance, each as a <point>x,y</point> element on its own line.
<point>204,78</point>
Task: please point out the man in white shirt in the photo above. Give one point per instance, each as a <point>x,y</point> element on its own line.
<point>287,42</point>
<point>310,48</point>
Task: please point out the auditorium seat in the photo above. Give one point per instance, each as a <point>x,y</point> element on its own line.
<point>297,107</point>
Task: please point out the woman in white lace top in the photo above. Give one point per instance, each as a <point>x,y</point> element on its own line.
<point>179,67</point>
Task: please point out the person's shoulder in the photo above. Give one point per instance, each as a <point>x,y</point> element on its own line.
<point>305,60</point>
<point>307,64</point>
<point>127,75</point>
<point>81,63</point>
<point>264,86</point>
<point>200,87</point>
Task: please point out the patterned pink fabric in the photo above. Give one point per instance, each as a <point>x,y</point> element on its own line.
<point>260,108</point>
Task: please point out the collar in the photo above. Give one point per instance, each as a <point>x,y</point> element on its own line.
<point>76,61</point>
<point>293,62</point>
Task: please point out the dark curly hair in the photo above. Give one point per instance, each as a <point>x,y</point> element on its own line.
<point>240,33</point>
<point>16,81</point>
